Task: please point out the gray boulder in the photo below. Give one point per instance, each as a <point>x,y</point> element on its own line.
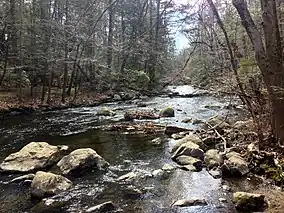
<point>248,202</point>
<point>187,160</point>
<point>235,165</point>
<point>47,184</point>
<point>32,157</point>
<point>80,160</point>
<point>191,137</point>
<point>189,149</point>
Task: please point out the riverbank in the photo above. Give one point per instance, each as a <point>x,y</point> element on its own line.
<point>133,148</point>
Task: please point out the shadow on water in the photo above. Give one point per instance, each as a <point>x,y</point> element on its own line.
<point>125,153</point>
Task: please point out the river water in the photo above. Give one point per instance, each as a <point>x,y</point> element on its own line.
<point>79,128</point>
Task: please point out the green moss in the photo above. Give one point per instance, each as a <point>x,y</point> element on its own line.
<point>274,172</point>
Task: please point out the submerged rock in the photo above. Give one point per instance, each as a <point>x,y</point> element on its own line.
<point>235,165</point>
<point>47,184</point>
<point>117,97</point>
<point>167,112</point>
<point>168,167</point>
<point>32,157</point>
<point>156,141</point>
<point>190,202</point>
<point>105,112</point>
<point>213,158</point>
<point>175,129</point>
<point>187,120</point>
<point>49,205</point>
<point>139,115</point>
<point>190,168</point>
<point>249,202</point>
<point>215,173</point>
<point>131,176</point>
<point>161,174</point>
<point>22,178</point>
<point>104,207</point>
<point>131,192</point>
<point>81,159</point>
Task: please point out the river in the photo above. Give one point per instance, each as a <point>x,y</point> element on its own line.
<point>79,128</point>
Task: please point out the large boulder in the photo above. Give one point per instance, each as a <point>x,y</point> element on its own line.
<point>213,158</point>
<point>191,137</point>
<point>234,165</point>
<point>189,149</point>
<point>47,184</point>
<point>167,112</point>
<point>34,156</point>
<point>248,202</point>
<point>80,160</point>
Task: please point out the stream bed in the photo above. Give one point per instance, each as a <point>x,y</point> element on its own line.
<point>79,128</point>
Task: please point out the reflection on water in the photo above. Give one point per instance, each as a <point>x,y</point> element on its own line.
<point>75,128</point>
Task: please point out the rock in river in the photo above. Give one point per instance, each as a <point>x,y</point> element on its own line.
<point>23,178</point>
<point>105,112</point>
<point>167,112</point>
<point>34,156</point>
<point>191,137</point>
<point>47,184</point>
<point>189,149</point>
<point>248,202</point>
<point>187,160</point>
<point>80,160</point>
<point>190,202</point>
<point>104,207</point>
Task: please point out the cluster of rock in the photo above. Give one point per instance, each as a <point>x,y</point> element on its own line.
<point>40,156</point>
<point>193,152</point>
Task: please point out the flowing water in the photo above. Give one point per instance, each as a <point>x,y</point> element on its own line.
<point>78,128</point>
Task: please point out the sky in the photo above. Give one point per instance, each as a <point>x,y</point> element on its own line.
<point>181,40</point>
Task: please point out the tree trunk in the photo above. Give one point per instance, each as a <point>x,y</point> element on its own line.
<point>65,75</point>
<point>269,59</point>
<point>110,36</point>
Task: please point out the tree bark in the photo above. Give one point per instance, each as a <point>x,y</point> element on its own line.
<point>269,59</point>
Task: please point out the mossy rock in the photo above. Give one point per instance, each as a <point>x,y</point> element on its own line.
<point>248,202</point>
<point>167,112</point>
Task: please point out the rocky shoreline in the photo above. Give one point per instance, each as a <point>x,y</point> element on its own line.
<point>49,170</point>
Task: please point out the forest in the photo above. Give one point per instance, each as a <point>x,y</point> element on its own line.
<point>133,79</point>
